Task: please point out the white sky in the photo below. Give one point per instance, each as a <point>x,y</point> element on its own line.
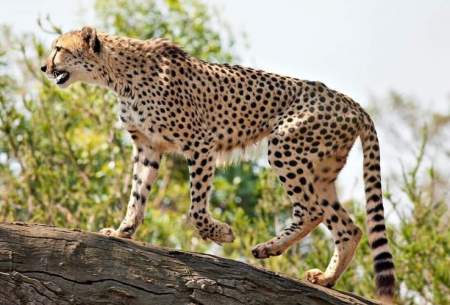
<point>358,47</point>
<point>362,48</point>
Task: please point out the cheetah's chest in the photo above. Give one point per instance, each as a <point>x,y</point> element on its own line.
<point>137,117</point>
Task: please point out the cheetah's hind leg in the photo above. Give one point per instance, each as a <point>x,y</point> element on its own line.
<point>346,234</point>
<point>297,177</point>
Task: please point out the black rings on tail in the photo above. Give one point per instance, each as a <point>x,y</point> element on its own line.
<point>382,257</point>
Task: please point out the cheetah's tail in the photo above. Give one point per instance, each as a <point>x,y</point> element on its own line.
<point>382,257</point>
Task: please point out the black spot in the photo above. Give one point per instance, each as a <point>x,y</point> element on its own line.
<point>379,242</point>
<point>278,163</point>
<point>382,266</point>
<point>382,256</point>
<point>297,189</point>
<point>385,280</point>
<point>291,175</point>
<point>154,164</point>
<point>372,179</point>
<point>374,167</point>
<point>376,209</point>
<point>378,228</point>
<point>374,198</point>
<point>377,217</point>
<point>335,206</point>
<point>136,195</point>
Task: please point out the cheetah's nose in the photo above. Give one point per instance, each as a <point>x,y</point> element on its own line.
<point>44,68</point>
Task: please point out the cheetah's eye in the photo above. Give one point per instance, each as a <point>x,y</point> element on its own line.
<point>58,48</point>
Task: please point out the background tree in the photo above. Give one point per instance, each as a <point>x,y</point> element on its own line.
<point>63,161</point>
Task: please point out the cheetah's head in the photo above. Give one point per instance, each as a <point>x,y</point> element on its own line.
<point>74,57</point>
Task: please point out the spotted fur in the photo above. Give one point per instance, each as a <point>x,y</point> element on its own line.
<point>173,102</point>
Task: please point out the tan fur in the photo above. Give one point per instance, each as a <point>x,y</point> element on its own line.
<point>172,102</point>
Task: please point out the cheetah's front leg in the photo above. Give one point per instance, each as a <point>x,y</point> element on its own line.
<point>201,169</point>
<point>145,170</point>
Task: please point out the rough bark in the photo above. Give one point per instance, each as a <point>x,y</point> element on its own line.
<point>55,266</point>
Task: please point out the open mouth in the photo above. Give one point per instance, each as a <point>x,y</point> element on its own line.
<point>61,76</point>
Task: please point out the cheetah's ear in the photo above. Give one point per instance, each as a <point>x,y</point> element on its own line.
<point>89,35</point>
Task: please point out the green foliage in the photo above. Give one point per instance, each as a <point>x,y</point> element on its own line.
<point>63,161</point>
<point>424,237</point>
<point>190,23</point>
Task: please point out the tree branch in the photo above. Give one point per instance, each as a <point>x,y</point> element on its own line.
<point>54,266</point>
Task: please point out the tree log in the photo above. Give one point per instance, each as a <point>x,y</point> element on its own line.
<point>46,265</point>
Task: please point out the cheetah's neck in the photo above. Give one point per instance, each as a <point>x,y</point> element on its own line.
<point>128,63</point>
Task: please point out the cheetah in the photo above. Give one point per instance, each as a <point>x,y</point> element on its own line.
<point>172,102</point>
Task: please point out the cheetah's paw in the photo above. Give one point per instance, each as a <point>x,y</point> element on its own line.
<point>113,233</point>
<point>219,233</point>
<point>316,276</point>
<point>265,250</point>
